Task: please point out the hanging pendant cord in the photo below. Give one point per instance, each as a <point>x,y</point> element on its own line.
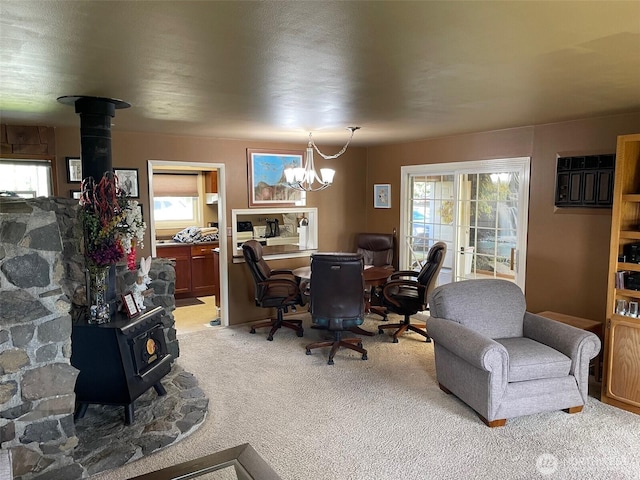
<point>344,149</point>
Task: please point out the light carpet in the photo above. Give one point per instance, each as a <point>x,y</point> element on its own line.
<point>383,418</point>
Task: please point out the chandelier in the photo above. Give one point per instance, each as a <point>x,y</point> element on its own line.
<point>306,178</point>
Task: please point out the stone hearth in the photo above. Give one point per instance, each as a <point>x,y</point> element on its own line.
<point>105,442</point>
<point>42,276</point>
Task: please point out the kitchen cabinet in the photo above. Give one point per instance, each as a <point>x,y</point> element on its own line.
<point>197,269</point>
<point>211,182</point>
<point>203,278</point>
<point>181,255</point>
<point>621,376</point>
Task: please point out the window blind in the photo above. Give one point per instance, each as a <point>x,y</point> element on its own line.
<point>175,185</point>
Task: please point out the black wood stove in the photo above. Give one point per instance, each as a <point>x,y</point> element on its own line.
<point>119,360</point>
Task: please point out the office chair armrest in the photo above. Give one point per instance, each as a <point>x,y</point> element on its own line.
<point>281,271</point>
<point>398,283</point>
<point>292,287</point>
<point>270,282</point>
<point>404,273</point>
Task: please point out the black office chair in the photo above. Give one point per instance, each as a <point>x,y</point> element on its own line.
<point>337,299</point>
<point>376,249</point>
<point>407,292</point>
<point>273,289</point>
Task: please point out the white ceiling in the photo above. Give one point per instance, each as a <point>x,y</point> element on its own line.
<point>276,70</point>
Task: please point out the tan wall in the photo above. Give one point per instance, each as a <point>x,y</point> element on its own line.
<point>567,252</point>
<point>340,208</point>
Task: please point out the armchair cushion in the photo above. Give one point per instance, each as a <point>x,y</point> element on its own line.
<point>531,360</point>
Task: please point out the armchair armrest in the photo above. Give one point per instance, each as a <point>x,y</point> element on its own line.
<point>579,345</point>
<point>571,341</point>
<point>476,349</point>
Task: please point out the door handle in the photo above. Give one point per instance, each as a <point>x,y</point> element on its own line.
<point>512,259</point>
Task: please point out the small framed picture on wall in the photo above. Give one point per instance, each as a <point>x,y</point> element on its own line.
<point>74,169</point>
<point>128,181</point>
<point>382,195</point>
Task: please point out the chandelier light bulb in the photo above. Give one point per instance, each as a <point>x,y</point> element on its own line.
<point>306,178</point>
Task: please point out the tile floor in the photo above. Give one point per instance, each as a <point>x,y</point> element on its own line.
<point>195,315</point>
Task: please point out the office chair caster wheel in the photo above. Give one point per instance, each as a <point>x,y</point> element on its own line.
<point>253,330</point>
<point>360,345</point>
<point>270,338</point>
<point>364,357</point>
<point>380,331</point>
<point>299,333</point>
<point>308,352</point>
<point>330,362</point>
<point>395,340</point>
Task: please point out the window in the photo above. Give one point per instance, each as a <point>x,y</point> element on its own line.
<point>25,178</point>
<point>176,201</point>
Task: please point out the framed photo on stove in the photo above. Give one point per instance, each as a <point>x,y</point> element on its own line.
<point>130,305</point>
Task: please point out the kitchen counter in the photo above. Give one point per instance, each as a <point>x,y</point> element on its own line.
<point>278,251</point>
<point>173,243</point>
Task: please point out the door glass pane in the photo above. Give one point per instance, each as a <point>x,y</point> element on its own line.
<point>491,219</point>
<point>431,220</point>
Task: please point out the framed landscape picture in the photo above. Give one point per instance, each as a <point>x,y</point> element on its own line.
<point>267,186</point>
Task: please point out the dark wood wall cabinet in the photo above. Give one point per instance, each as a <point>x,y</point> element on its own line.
<point>197,269</point>
<point>585,181</point>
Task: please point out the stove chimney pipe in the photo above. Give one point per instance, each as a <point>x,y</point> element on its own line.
<point>95,132</point>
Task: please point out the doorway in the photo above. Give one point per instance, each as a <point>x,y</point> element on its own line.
<point>200,305</point>
<point>479,209</point>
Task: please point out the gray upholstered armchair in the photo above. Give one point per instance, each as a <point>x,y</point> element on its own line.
<point>502,361</point>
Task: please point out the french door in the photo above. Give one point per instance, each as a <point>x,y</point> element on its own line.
<point>479,209</point>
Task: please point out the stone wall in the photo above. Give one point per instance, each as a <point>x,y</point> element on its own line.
<point>42,279</point>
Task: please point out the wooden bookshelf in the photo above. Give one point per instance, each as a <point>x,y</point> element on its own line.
<point>621,379</point>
